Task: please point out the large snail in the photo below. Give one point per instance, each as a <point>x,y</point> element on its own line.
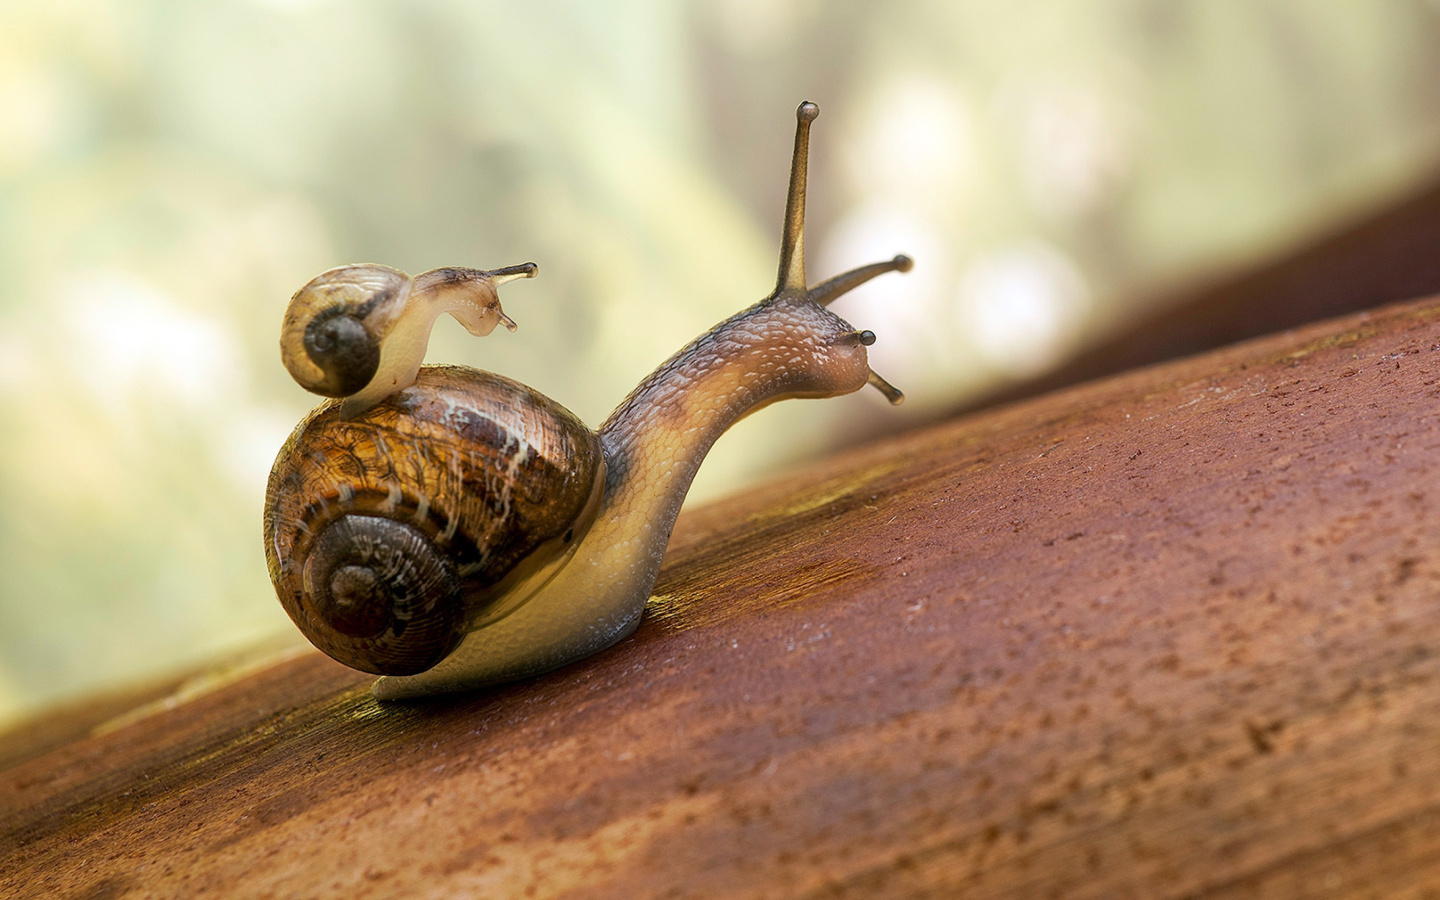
<point>463,529</point>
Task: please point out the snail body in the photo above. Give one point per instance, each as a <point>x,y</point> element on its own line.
<point>464,530</point>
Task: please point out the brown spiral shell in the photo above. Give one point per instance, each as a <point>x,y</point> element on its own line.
<point>388,534</point>
<point>330,339</point>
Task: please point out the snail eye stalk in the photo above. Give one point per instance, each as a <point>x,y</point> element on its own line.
<point>891,392</point>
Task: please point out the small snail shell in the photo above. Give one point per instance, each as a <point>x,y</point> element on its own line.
<point>465,530</point>
<point>360,331</point>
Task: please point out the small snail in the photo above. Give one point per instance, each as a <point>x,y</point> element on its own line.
<point>359,332</point>
<point>465,530</point>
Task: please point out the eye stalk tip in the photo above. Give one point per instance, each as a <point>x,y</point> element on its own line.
<point>510,273</point>
<point>807,112</point>
<point>903,263</point>
<point>866,337</point>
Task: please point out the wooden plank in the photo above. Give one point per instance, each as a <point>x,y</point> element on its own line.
<point>1173,634</point>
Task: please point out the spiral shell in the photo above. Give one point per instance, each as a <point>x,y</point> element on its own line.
<point>330,339</point>
<point>391,535</point>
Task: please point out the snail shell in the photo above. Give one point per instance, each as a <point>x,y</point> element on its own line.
<point>330,339</point>
<point>391,535</point>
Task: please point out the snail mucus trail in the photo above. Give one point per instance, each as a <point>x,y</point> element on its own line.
<point>449,528</point>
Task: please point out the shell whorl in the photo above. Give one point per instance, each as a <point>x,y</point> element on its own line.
<point>392,534</point>
<point>389,597</point>
<point>338,344</point>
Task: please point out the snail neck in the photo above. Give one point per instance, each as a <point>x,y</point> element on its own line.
<point>657,438</point>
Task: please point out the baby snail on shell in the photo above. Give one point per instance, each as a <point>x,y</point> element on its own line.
<point>448,528</point>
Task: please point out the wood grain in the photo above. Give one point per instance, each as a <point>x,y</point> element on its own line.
<point>1172,634</point>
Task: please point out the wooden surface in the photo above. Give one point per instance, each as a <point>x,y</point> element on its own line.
<point>1174,634</point>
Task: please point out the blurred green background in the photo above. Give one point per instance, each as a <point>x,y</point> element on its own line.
<point>171,172</point>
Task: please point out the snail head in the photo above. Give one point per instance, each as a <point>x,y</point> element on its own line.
<point>834,351</point>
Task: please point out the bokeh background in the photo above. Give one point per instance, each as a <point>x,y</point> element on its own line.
<point>171,172</point>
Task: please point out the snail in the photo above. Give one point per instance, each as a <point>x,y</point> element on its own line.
<point>464,530</point>
<point>359,332</point>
